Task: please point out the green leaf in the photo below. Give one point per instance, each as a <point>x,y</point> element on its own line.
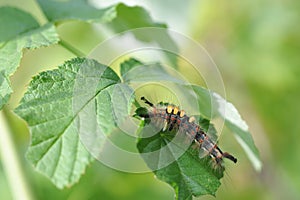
<point>15,22</point>
<point>128,65</point>
<point>187,174</point>
<point>119,15</point>
<point>75,10</point>
<point>132,18</point>
<point>53,107</point>
<point>23,31</point>
<point>5,90</point>
<point>212,105</point>
<point>155,72</point>
<point>119,18</point>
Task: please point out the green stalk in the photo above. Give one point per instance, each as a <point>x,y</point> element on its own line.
<point>70,48</point>
<point>11,163</point>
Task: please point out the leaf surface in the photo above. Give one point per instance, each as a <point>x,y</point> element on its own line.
<point>75,10</point>
<point>133,71</point>
<point>133,18</point>
<point>128,65</point>
<point>22,31</point>
<point>15,22</point>
<point>118,17</point>
<point>53,106</point>
<point>187,174</point>
<point>212,105</point>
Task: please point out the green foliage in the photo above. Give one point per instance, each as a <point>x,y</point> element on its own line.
<point>5,89</point>
<point>118,17</point>
<point>21,31</point>
<point>155,73</point>
<point>124,21</point>
<point>212,104</point>
<point>76,10</point>
<point>15,22</point>
<point>188,174</point>
<point>56,101</point>
<point>47,106</point>
<point>128,65</point>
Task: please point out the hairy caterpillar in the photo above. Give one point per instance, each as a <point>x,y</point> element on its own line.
<point>171,117</point>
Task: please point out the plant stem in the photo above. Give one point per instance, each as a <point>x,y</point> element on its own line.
<point>70,48</point>
<point>11,163</point>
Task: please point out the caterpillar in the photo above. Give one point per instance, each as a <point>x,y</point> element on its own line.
<point>171,117</point>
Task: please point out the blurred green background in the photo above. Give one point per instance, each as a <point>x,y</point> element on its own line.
<point>255,44</point>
